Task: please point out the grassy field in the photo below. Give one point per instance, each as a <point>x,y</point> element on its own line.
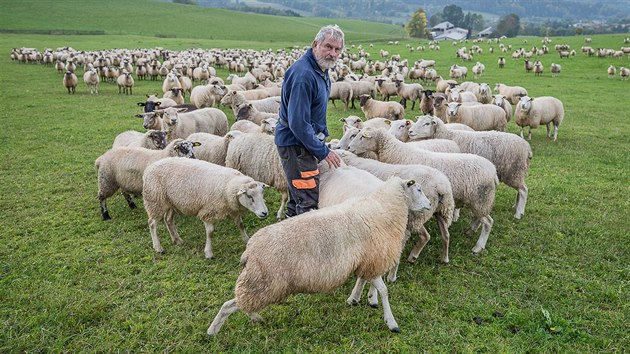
<point>71,282</point>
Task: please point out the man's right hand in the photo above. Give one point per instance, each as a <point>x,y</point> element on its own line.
<point>333,159</point>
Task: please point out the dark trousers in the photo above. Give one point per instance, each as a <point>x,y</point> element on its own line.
<point>300,168</point>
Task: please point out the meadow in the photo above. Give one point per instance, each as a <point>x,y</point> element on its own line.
<point>557,281</point>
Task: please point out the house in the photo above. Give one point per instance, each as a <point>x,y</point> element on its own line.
<point>453,34</point>
<point>441,27</point>
<point>486,33</point>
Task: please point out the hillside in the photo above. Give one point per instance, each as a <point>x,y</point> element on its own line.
<point>167,20</point>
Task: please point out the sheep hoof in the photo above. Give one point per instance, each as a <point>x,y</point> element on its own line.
<point>395,330</point>
<point>476,251</point>
<point>106,216</point>
<point>412,259</point>
<point>446,260</point>
<point>352,302</point>
<point>374,306</point>
<point>178,241</point>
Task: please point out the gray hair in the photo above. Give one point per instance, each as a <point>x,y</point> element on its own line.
<point>331,31</point>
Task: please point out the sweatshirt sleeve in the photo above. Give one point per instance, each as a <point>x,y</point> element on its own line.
<point>299,118</point>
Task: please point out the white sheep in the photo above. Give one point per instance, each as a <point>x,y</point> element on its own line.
<point>473,178</point>
<point>247,111</point>
<point>256,155</point>
<point>236,98</point>
<point>195,187</point>
<point>178,124</point>
<point>509,153</point>
<point>479,117</point>
<point>505,104</point>
<point>512,93</point>
<point>317,251</point>
<point>400,130</point>
<point>248,81</point>
<point>611,71</point>
<point>70,81</point>
<point>151,139</point>
<point>478,70</point>
<point>91,79</point>
<point>341,91</point>
<point>373,108</point>
<point>411,92</point>
<point>122,168</point>
<point>624,73</point>
<point>555,69</point>
<point>267,126</point>
<point>170,82</point>
<point>207,95</point>
<point>213,148</point>
<point>485,94</point>
<point>532,112</point>
<point>176,94</point>
<point>125,83</point>
<point>361,88</point>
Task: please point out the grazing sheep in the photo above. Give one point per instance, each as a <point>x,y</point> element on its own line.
<point>502,102</point>
<point>122,168</point>
<point>473,178</point>
<point>152,139</point>
<point>528,66</point>
<point>194,187</point>
<point>542,110</point>
<point>256,155</point>
<point>249,112</point>
<point>509,153</point>
<point>317,251</point>
<point>512,93</point>
<point>611,71</point>
<point>373,108</point>
<point>478,117</point>
<point>555,69</point>
<point>70,81</point>
<point>207,95</point>
<point>411,92</point>
<point>235,99</point>
<point>176,94</point>
<point>125,83</point>
<point>178,124</point>
<point>341,91</point>
<point>91,79</point>
<point>624,73</point>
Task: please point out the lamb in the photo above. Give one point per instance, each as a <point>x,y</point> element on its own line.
<point>411,92</point>
<point>256,155</point>
<point>249,112</point>
<point>236,98</point>
<point>207,95</point>
<point>436,187</point>
<point>542,110</point>
<point>194,187</point>
<point>509,153</point>
<point>341,91</point>
<point>288,258</point>
<point>178,124</point>
<point>152,139</point>
<point>502,102</point>
<point>176,94</point>
<point>70,81</point>
<point>122,168</point>
<point>125,83</point>
<point>373,108</point>
<point>512,93</point>
<point>478,117</point>
<point>91,79</point>
<point>473,178</point>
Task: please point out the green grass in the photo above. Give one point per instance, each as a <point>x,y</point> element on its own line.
<point>71,282</point>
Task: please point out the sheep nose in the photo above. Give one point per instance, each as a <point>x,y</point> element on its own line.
<point>263,214</point>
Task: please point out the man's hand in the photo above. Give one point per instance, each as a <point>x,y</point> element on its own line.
<point>333,159</point>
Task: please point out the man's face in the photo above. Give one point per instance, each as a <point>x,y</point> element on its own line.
<point>327,52</point>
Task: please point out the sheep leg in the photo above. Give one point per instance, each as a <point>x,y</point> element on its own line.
<point>154,236</point>
<point>413,105</point>
<point>208,249</point>
<point>391,276</point>
<point>423,239</point>
<point>373,296</point>
<point>522,133</point>
<point>355,295</point>
<point>170,225</point>
<point>129,200</point>
<point>228,308</point>
<point>555,132</point>
<point>283,204</point>
<point>529,136</point>
<point>445,237</point>
<point>379,284</point>
<point>548,125</point>
<point>486,226</point>
<point>238,220</point>
<point>455,214</point>
<point>104,211</point>
<point>333,102</point>
<point>521,201</point>
<point>474,225</point>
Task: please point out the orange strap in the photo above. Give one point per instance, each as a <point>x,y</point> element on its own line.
<point>308,174</point>
<point>304,183</point>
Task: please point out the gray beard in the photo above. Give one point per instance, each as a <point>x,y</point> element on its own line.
<point>325,64</point>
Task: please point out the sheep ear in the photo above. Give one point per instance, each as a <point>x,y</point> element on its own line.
<point>158,103</point>
<point>459,104</point>
<point>366,134</point>
<point>241,191</point>
<point>264,185</point>
<point>408,123</point>
<point>410,183</point>
<point>388,122</point>
<point>138,115</point>
<point>182,110</point>
<point>196,143</point>
<point>141,104</point>
<point>342,120</point>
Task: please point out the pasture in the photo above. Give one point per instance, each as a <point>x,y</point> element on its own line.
<point>72,282</point>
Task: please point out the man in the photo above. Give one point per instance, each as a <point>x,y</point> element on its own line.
<point>302,130</point>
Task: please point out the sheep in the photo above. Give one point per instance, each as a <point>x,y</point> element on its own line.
<point>460,71</point>
<point>436,187</point>
<point>122,168</point>
<point>485,94</point>
<point>440,107</point>
<point>195,187</point>
<point>178,124</point>
<point>555,69</point>
<point>373,108</point>
<point>176,94</point>
<point>267,126</point>
<point>501,62</point>
<point>512,93</point>
<point>386,87</point>
<point>473,178</point>
<point>624,73</point>
<point>412,92</point>
<point>528,66</point>
<point>125,83</point>
<point>478,70</point>
<point>399,129</point>
<point>361,88</point>
<point>91,79</point>
<point>510,154</point>
<point>213,148</point>
<point>248,81</point>
<point>538,68</point>
<point>502,102</point>
<point>356,122</point>
<point>478,117</point>
<point>341,91</point>
<point>207,95</point>
<point>542,110</point>
<point>426,103</point>
<point>317,251</point>
<point>256,155</point>
<point>70,82</point>
<point>170,82</point>
<point>455,94</point>
<point>235,99</point>
<point>611,71</point>
<point>441,85</point>
<point>185,84</point>
<point>247,111</point>
<point>152,139</point>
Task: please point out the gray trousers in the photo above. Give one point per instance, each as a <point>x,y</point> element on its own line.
<point>300,168</point>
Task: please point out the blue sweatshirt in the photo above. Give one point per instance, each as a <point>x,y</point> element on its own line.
<point>305,93</point>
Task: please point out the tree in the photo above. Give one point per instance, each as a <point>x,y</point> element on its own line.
<point>435,19</point>
<point>509,25</point>
<point>453,14</point>
<point>418,24</point>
